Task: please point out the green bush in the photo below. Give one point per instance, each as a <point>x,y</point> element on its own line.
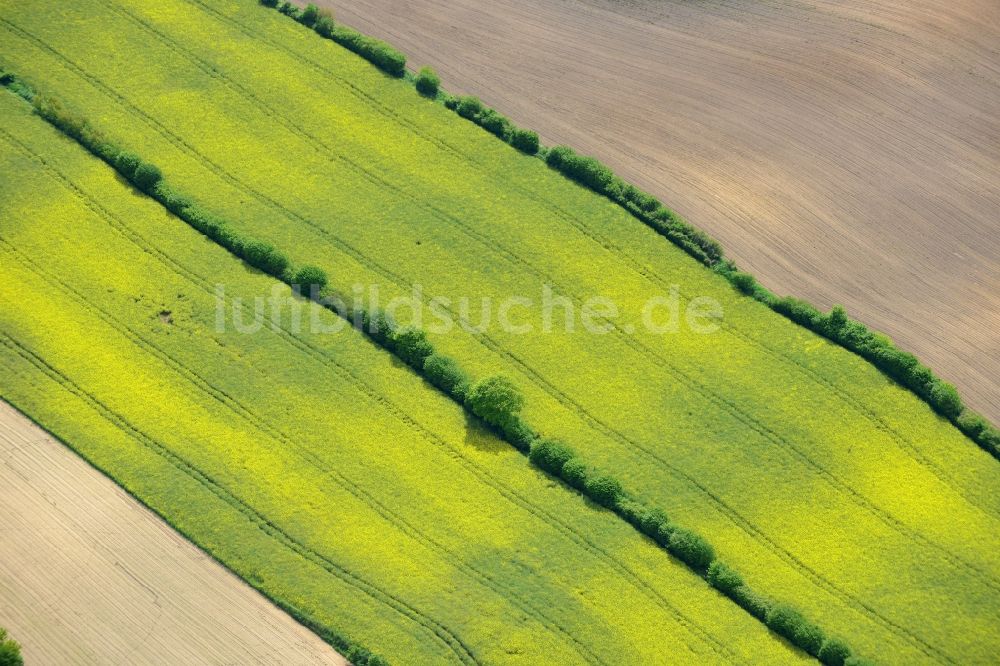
<point>373,50</point>
<point>789,623</point>
<point>451,102</point>
<point>172,200</point>
<point>574,473</point>
<point>446,374</point>
<point>524,140</point>
<point>753,603</point>
<point>691,548</point>
<point>10,651</point>
<point>126,163</point>
<point>325,24</point>
<point>309,15</point>
<point>743,281</point>
<point>724,578</point>
<point>655,524</point>
<point>517,432</point>
<point>411,345</point>
<point>605,490</point>
<point>834,652</point>
<point>310,281</point>
<point>495,123</point>
<point>288,9</point>
<point>837,320</point>
<point>269,3</point>
<point>550,454</point>
<point>379,326</point>
<point>428,82</point>
<point>264,257</point>
<point>945,399</point>
<point>469,107</point>
<point>495,400</point>
<point>146,177</point>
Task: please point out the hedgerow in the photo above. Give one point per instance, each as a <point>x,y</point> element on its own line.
<point>309,280</point>
<point>375,51</point>
<point>446,374</point>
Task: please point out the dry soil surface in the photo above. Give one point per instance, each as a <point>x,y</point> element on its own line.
<point>844,152</point>
<point>90,576</point>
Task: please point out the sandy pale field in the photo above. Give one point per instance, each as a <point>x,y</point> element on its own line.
<point>89,576</point>
<point>844,152</point>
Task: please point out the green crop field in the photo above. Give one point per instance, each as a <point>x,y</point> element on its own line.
<point>826,484</point>
<point>386,516</point>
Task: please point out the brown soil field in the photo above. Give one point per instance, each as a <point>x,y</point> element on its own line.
<point>843,152</point>
<point>90,576</point>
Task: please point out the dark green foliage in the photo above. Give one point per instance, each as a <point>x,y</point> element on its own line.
<point>379,326</point>
<point>652,523</point>
<point>834,652</point>
<point>724,578</point>
<point>309,15</point>
<point>172,200</point>
<point>451,102</point>
<point>373,50</point>
<point>427,82</point>
<point>605,490</point>
<point>126,163</point>
<point>800,312</point>
<point>691,549</point>
<point>518,433</point>
<point>146,177</point>
<point>288,9</point>
<point>446,374</point>
<point>836,321</point>
<point>789,623</point>
<point>574,473</point>
<point>755,604</point>
<point>411,345</point>
<point>10,651</point>
<point>945,399</point>
<point>469,108</point>
<point>524,140</point>
<point>743,281</point>
<point>495,400</point>
<point>550,454</point>
<point>324,24</point>
<point>269,3</point>
<point>263,256</point>
<point>310,281</point>
<point>359,656</point>
<point>495,123</point>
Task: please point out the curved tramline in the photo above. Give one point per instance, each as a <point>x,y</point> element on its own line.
<point>823,482</point>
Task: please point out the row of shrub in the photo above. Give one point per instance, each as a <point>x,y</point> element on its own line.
<point>902,366</point>
<point>494,399</point>
<point>375,51</point>
<point>471,108</point>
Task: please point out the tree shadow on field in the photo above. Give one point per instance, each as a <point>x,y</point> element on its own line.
<point>479,436</point>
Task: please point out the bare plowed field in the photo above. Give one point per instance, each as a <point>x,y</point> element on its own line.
<point>89,576</point>
<point>842,151</point>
